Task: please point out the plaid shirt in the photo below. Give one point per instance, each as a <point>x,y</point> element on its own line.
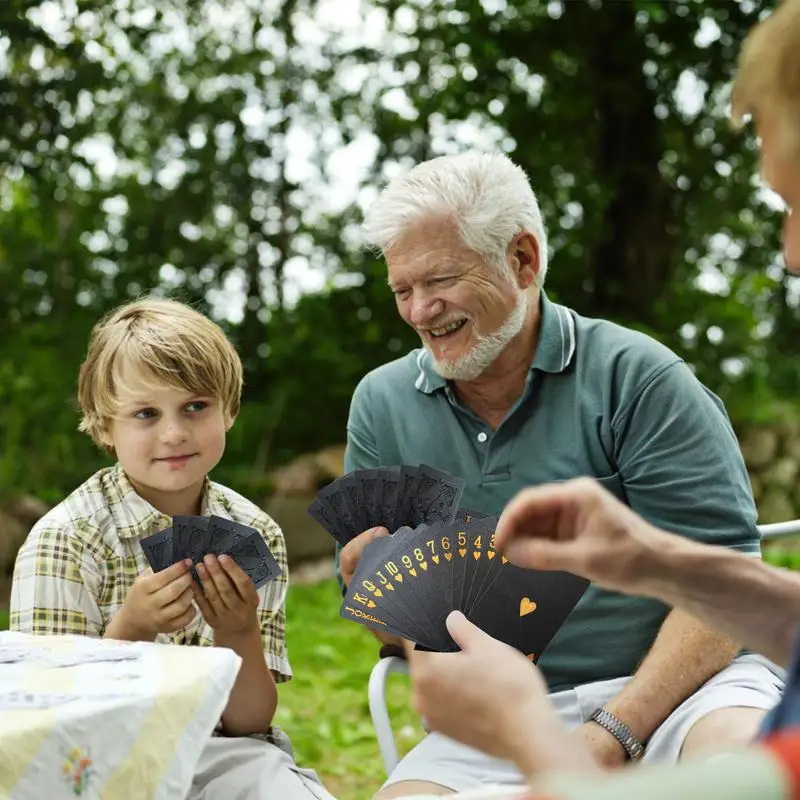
<point>79,561</point>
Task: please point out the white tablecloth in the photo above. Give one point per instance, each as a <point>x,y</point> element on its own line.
<point>88,718</point>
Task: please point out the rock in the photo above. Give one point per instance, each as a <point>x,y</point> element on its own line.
<point>775,507</point>
<point>782,474</point>
<point>28,510</point>
<point>330,462</point>
<point>298,477</point>
<point>315,571</point>
<point>305,538</point>
<point>309,472</point>
<point>759,447</point>
<point>757,487</point>
<point>791,447</point>
<point>12,535</point>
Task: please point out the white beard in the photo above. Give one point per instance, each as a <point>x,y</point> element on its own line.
<point>487,347</point>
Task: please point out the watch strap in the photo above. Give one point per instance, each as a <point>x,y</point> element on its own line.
<point>634,749</point>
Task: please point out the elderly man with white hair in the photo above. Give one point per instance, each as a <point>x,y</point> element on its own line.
<point>510,390</point>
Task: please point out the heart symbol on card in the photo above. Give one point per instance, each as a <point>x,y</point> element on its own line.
<point>423,564</point>
<point>378,593</point>
<point>476,554</point>
<point>398,578</point>
<point>462,552</point>
<point>448,556</point>
<point>413,572</point>
<point>526,606</point>
<point>435,559</point>
<point>490,555</point>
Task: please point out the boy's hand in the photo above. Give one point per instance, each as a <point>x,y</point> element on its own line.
<point>158,602</point>
<point>230,599</point>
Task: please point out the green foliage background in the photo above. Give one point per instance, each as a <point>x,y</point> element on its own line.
<point>655,217</point>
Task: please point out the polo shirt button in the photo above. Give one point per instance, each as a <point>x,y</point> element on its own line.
<point>482,437</point>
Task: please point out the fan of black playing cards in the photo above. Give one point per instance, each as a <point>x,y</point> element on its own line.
<point>389,496</point>
<point>196,537</point>
<point>406,585</point>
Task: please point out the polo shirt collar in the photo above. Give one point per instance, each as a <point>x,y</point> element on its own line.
<point>135,517</point>
<point>554,352</point>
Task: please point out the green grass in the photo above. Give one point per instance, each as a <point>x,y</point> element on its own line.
<point>324,707</point>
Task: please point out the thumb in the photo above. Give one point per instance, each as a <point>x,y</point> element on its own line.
<point>538,553</point>
<point>466,635</point>
<point>379,531</point>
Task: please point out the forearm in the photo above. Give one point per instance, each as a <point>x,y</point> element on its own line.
<point>254,697</point>
<point>754,604</point>
<point>685,654</point>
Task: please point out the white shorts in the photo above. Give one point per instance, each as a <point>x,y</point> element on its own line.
<point>751,681</point>
<point>245,768</point>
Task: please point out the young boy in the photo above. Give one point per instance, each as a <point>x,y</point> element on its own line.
<point>159,389</point>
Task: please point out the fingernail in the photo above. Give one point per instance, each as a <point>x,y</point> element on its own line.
<point>187,562</point>
<point>224,559</point>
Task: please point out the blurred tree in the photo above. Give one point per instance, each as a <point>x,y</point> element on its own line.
<point>153,146</point>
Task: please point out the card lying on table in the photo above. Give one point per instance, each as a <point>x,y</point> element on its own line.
<point>389,496</point>
<point>196,537</point>
<point>407,584</point>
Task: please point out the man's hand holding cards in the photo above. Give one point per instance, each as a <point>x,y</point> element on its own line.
<point>193,538</point>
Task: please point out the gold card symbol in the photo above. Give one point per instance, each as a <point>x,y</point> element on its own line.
<point>423,564</point>
<point>448,556</point>
<point>462,552</point>
<point>390,587</point>
<point>371,604</point>
<point>413,572</point>
<point>526,606</point>
<point>378,593</point>
<point>505,560</point>
<point>476,554</point>
<point>435,559</point>
<point>398,578</point>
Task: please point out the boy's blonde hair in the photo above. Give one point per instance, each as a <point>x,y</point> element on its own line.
<point>768,74</point>
<point>164,343</point>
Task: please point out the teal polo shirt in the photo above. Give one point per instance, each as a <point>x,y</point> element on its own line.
<point>599,400</point>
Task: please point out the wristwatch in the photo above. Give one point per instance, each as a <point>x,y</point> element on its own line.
<point>620,731</point>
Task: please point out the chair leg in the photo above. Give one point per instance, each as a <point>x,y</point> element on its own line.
<point>379,711</point>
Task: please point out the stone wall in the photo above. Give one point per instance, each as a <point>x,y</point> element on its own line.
<point>772,455</point>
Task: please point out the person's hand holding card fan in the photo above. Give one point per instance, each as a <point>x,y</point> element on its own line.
<point>488,697</point>
<point>406,585</point>
<point>389,497</point>
<point>193,538</point>
<point>228,600</point>
<point>158,602</point>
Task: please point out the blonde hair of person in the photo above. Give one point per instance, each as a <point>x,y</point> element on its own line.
<point>768,75</point>
<point>164,343</point>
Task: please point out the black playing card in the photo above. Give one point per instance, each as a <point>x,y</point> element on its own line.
<point>406,478</point>
<point>191,536</point>
<point>350,486</point>
<point>158,550</point>
<point>333,496</point>
<point>377,577</point>
<point>467,515</point>
<point>254,557</point>
<point>433,497</point>
<point>369,485</point>
<point>408,583</point>
<point>324,515</point>
<point>525,608</point>
<point>388,492</point>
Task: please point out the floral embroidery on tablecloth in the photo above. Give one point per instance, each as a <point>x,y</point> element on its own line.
<point>77,769</point>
